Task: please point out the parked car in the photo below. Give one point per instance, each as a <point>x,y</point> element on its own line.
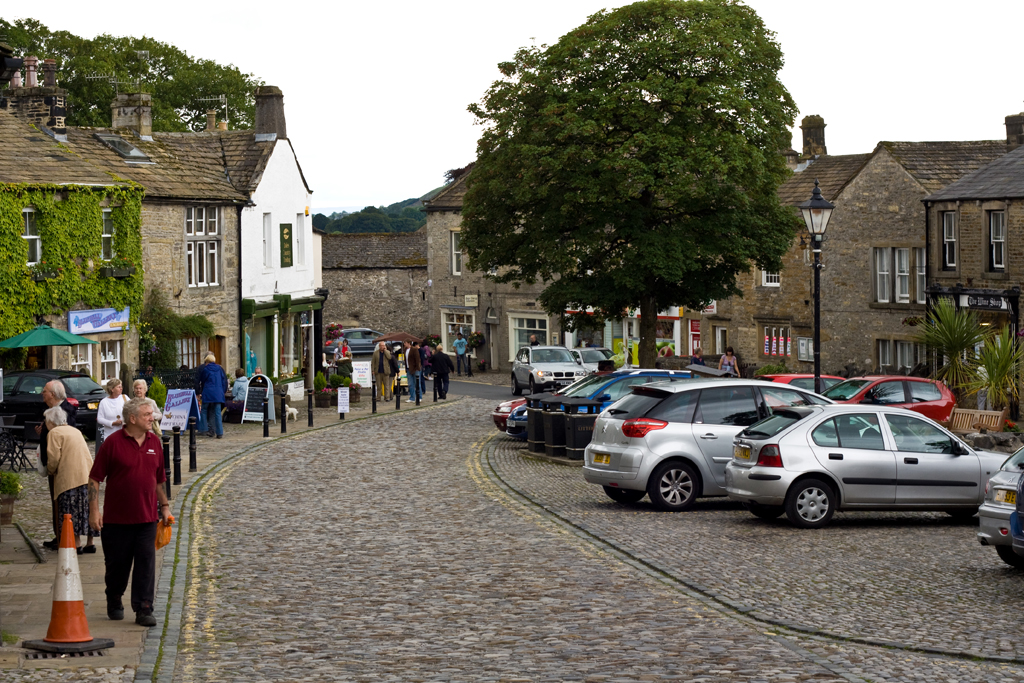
<point>540,368</point>
<point>1000,502</point>
<point>811,461</point>
<point>803,380</point>
<point>928,397</point>
<point>23,396</point>
<point>360,339</point>
<point>503,410</point>
<point>671,441</point>
<point>591,356</point>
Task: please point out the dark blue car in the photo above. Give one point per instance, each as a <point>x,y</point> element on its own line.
<point>607,388</point>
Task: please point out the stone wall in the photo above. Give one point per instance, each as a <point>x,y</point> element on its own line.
<point>384,299</point>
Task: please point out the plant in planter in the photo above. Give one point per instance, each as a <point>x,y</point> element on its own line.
<point>321,393</point>
<point>475,340</point>
<point>10,490</point>
<point>334,331</point>
<point>353,392</point>
<point>118,267</point>
<point>338,381</point>
<point>481,365</point>
<point>432,339</point>
<point>44,271</point>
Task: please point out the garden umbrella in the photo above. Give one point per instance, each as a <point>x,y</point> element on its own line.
<point>44,335</point>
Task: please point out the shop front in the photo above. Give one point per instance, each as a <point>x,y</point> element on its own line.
<point>278,335</point>
<point>996,308</point>
<point>109,327</point>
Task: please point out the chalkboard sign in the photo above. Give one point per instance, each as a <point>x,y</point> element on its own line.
<point>259,389</point>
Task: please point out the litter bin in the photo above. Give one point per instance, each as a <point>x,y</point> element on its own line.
<point>554,426</point>
<point>580,415</point>
<point>535,423</point>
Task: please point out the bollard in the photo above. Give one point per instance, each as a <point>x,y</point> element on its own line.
<point>435,388</point>
<point>177,456</point>
<point>398,396</point>
<point>418,392</point>
<point>309,405</point>
<point>192,465</point>
<point>284,414</point>
<point>166,438</point>
<point>266,418</point>
<point>373,396</point>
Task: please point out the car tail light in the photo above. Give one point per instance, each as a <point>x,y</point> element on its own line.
<point>638,427</point>
<point>769,456</point>
<point>72,400</point>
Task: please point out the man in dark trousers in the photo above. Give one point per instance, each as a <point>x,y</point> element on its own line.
<point>442,366</point>
<point>131,460</point>
<point>54,395</point>
<point>415,368</point>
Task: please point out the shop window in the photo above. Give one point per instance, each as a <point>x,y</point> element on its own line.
<point>455,322</point>
<point>291,345</point>
<point>81,359</point>
<point>110,360</point>
<point>521,329</point>
<point>778,342</point>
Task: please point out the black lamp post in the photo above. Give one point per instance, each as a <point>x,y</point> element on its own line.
<point>817,211</point>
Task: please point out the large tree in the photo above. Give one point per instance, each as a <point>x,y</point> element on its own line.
<point>634,164</point>
<point>178,82</point>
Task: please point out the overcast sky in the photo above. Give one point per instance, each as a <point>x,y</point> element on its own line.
<point>376,92</point>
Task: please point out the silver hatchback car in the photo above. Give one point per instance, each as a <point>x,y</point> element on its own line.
<point>672,441</point>
<point>810,462</point>
<point>994,513</point>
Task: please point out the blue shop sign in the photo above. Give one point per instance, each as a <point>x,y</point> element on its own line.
<point>96,320</point>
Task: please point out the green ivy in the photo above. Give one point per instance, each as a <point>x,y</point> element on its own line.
<point>161,324</point>
<point>69,219</point>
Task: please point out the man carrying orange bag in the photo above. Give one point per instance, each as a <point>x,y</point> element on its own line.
<point>163,531</point>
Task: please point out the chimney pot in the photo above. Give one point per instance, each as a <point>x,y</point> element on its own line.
<point>270,111</point>
<point>50,73</point>
<point>31,81</point>
<point>1014,131</point>
<point>16,79</point>
<point>223,125</point>
<point>211,119</point>
<point>813,127</point>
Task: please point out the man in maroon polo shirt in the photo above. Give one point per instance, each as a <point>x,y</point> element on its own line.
<point>131,460</point>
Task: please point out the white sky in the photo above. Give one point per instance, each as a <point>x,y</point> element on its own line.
<point>376,92</point>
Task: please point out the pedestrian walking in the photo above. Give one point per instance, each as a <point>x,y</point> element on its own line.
<point>442,366</point>
<point>108,416</point>
<point>54,394</point>
<point>415,368</point>
<point>425,370</point>
<point>139,390</point>
<point>698,357</point>
<point>131,462</point>
<point>381,364</point>
<point>728,362</point>
<point>69,462</point>
<point>213,382</point>
<point>460,345</point>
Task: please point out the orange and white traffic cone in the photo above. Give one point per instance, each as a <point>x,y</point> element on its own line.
<point>69,629</point>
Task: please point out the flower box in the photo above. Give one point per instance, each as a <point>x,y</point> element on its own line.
<point>41,275</point>
<point>110,271</point>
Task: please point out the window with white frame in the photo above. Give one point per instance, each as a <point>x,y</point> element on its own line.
<point>522,328</point>
<point>30,233</point>
<point>107,238</point>
<point>298,234</point>
<point>997,240</point>
<point>882,275</point>
<point>769,279</point>
<point>81,359</point>
<point>948,240</point>
<point>905,356</point>
<point>721,337</point>
<point>455,322</point>
<point>884,352</point>
<point>187,349</point>
<point>456,243</point>
<point>202,245</point>
<point>110,360</point>
<point>902,275</point>
<point>921,274</point>
<point>805,348</point>
<point>268,237</point>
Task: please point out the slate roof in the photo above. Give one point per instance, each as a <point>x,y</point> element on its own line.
<point>1001,179</point>
<point>375,250</point>
<point>30,156</point>
<point>833,173</point>
<point>937,164</point>
<point>450,198</point>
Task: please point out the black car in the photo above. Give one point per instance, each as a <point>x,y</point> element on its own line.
<point>23,396</point>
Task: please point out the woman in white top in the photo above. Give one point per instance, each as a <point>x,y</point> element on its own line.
<point>108,417</point>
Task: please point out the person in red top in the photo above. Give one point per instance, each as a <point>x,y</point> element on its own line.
<point>131,460</point>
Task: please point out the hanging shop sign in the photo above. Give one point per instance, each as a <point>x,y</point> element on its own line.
<point>98,320</point>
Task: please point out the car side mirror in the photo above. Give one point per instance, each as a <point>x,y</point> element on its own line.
<point>604,397</point>
<point>959,448</point>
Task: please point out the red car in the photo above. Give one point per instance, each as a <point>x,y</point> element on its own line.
<point>803,381</point>
<point>504,409</point>
<point>928,397</point>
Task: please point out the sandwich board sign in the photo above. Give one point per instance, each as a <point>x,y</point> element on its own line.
<point>179,406</point>
<point>259,389</point>
<point>343,400</point>
<point>361,374</point>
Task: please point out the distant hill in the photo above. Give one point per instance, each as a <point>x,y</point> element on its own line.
<point>403,216</point>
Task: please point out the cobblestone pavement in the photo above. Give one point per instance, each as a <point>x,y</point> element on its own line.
<point>918,579</point>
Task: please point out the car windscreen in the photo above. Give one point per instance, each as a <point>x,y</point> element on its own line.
<point>780,420</point>
<point>80,386</point>
<point>552,356</point>
<point>585,386</point>
<point>1015,463</point>
<point>845,390</point>
<point>635,405</point>
<point>595,355</point>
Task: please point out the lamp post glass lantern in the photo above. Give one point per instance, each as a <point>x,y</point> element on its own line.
<point>816,212</point>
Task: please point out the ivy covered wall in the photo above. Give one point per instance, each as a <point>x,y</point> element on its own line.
<point>69,221</point>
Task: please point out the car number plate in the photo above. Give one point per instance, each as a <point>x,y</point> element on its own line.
<point>1008,497</point>
<point>602,459</point>
<point>741,452</point>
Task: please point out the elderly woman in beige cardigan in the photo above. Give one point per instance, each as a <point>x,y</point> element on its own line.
<point>69,461</point>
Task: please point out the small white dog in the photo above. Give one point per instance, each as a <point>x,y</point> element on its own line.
<point>292,413</point>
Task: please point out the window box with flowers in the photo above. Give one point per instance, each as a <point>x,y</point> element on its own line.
<point>44,271</point>
<point>117,268</point>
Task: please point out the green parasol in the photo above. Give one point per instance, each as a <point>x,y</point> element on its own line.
<point>44,335</point>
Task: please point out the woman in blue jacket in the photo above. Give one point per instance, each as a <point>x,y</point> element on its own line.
<point>213,383</point>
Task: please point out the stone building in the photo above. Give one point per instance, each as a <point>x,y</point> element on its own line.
<point>873,255</point>
<point>466,301</point>
<point>377,280</point>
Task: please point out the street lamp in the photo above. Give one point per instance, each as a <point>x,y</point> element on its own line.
<point>817,211</point>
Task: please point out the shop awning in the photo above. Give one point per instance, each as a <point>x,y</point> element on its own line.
<point>44,335</point>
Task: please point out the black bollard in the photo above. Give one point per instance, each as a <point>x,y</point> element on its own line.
<point>373,396</point>
<point>266,418</point>
<point>418,392</point>
<point>435,388</point>
<point>309,405</point>
<point>284,414</point>
<point>398,395</point>
<point>177,455</point>
<point>167,463</point>
<point>193,466</point>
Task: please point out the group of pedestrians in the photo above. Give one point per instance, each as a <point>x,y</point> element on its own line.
<point>421,361</point>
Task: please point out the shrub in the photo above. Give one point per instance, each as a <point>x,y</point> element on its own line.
<point>337,381</point>
<point>777,369</point>
<point>158,392</point>
<point>10,483</point>
<point>319,382</point>
<point>347,382</point>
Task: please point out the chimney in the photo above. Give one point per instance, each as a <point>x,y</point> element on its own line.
<point>792,156</point>
<point>49,73</point>
<point>42,105</point>
<point>814,135</point>
<point>1014,131</point>
<point>270,113</point>
<point>223,125</point>
<point>134,111</point>
<point>211,119</point>
<point>10,68</point>
<point>30,72</point>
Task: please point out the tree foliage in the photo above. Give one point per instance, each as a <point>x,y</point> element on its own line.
<point>176,80</point>
<point>635,162</point>
<point>953,334</point>
<point>404,216</point>
<point>167,327</point>
<point>999,369</point>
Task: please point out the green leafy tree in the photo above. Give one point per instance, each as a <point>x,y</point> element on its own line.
<point>320,221</point>
<point>635,163</point>
<point>176,80</point>
<point>952,334</point>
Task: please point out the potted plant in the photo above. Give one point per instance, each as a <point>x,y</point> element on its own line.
<point>353,392</point>
<point>43,271</point>
<point>10,489</point>
<point>481,365</point>
<point>432,339</point>
<point>475,340</point>
<point>118,267</point>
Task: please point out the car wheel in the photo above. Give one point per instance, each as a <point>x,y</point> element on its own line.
<point>810,504</point>
<point>673,487</point>
<point>765,511</point>
<point>516,389</point>
<point>1007,555</point>
<point>625,495</point>
<point>962,514</point>
<point>533,386</point>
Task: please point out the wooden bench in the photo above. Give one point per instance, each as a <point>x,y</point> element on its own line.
<point>964,421</point>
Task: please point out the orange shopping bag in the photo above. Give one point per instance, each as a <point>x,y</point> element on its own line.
<point>163,532</point>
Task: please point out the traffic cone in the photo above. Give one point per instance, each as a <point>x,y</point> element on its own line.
<point>69,629</point>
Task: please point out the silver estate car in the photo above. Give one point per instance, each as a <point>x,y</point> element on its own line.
<point>994,513</point>
<point>810,462</point>
<point>671,441</point>
<point>540,368</point>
